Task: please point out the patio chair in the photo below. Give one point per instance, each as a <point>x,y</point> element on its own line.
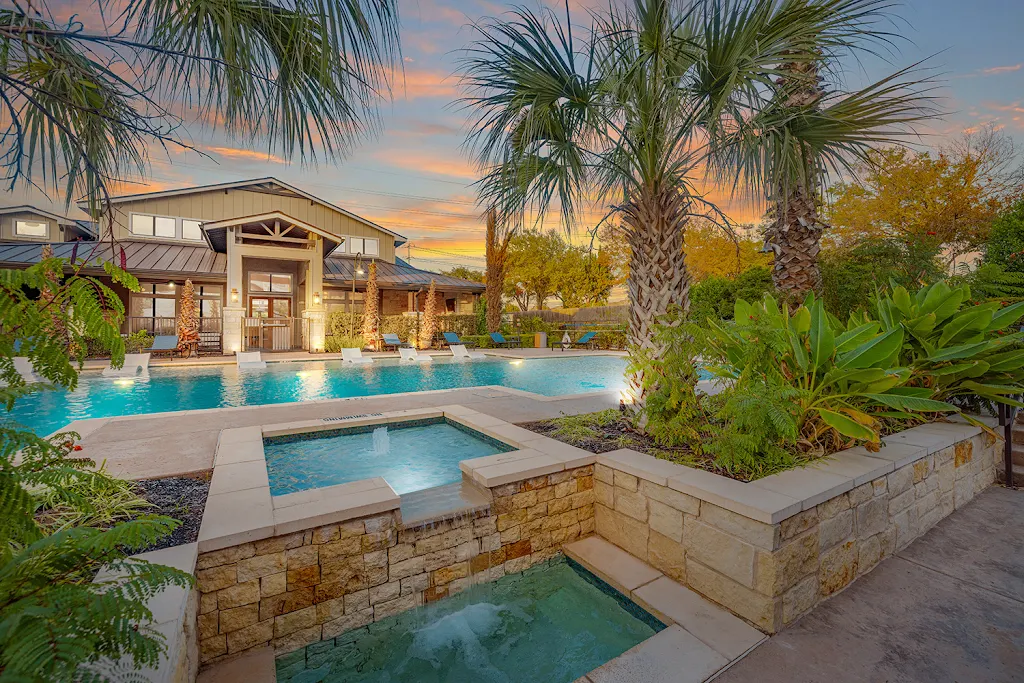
<point>164,343</point>
<point>459,352</point>
<point>354,356</point>
<point>411,355</point>
<point>453,338</point>
<point>392,341</point>
<point>500,340</point>
<point>134,363</point>
<point>587,340</point>
<point>250,360</point>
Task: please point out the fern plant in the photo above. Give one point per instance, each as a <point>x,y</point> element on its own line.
<point>55,621</point>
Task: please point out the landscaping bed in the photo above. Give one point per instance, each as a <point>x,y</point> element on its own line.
<point>183,499</point>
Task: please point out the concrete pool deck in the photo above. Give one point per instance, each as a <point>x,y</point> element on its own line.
<point>949,607</point>
<point>167,444</point>
<point>306,356</point>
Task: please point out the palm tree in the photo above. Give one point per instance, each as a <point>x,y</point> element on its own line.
<point>82,107</point>
<point>810,134</point>
<point>630,116</point>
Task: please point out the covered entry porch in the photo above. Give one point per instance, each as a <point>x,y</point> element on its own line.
<point>274,282</point>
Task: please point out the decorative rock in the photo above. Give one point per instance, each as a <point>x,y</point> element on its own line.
<point>225,556</point>
<point>835,530</point>
<point>216,578</point>
<point>239,594</point>
<point>838,568</point>
<point>872,517</point>
<point>799,599</point>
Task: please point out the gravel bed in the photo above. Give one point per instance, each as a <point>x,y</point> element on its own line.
<point>184,499</point>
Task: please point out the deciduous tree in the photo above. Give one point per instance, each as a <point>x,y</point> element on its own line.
<point>583,278</point>
<point>533,267</point>
<point>710,251</point>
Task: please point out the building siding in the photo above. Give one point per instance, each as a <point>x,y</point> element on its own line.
<point>218,205</point>
<point>55,232</point>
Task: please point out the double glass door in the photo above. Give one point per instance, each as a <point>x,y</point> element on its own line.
<point>270,307</point>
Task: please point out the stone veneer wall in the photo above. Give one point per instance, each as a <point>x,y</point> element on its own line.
<point>772,574</point>
<point>292,590</point>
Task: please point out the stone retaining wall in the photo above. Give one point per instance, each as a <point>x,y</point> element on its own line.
<point>291,590</point>
<point>771,574</point>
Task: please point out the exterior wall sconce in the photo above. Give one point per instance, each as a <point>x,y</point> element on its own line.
<point>316,298</point>
<point>234,295</point>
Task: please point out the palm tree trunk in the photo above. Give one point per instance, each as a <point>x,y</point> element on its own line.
<point>795,233</point>
<point>795,237</point>
<point>658,277</point>
<point>497,260</point>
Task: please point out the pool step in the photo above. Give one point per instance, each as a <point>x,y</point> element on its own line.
<point>440,503</point>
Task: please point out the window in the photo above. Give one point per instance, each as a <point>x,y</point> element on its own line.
<point>167,227</point>
<point>31,229</point>
<point>154,301</point>
<point>142,225</point>
<point>366,246</point>
<point>210,299</point>
<point>343,301</point>
<point>370,246</point>
<point>270,282</point>
<point>191,230</point>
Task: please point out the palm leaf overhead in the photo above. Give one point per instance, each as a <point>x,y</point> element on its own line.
<point>84,107</point>
<point>627,115</point>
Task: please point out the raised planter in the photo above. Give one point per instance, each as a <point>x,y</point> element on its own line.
<point>772,549</point>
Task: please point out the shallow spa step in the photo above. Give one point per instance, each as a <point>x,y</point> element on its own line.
<point>443,502</point>
<point>702,638</point>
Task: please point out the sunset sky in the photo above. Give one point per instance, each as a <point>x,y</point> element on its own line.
<point>414,179</point>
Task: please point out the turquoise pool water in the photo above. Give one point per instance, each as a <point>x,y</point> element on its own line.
<point>190,388</point>
<point>550,624</point>
<point>411,457</point>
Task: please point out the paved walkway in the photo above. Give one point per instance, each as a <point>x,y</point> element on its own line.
<point>145,447</point>
<point>948,608</point>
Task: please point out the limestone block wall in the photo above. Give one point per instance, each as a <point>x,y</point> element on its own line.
<point>771,574</point>
<point>291,590</point>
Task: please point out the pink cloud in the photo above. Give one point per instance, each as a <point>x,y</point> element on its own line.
<point>1002,69</point>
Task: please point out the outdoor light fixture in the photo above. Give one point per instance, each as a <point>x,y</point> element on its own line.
<point>316,298</point>
<point>234,295</point>
<point>515,362</point>
<point>124,382</point>
<point>302,373</point>
<point>624,399</point>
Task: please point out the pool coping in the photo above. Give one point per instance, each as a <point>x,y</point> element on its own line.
<point>241,509</point>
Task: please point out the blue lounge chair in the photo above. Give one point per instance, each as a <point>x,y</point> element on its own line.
<point>164,343</point>
<point>586,340</point>
<point>392,341</point>
<point>500,340</point>
<point>451,338</point>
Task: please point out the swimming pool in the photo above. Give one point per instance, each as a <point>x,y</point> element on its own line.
<point>411,456</point>
<point>196,387</point>
<point>552,623</point>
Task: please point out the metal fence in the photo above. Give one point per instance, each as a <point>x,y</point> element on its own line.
<point>275,334</point>
<point>210,339</point>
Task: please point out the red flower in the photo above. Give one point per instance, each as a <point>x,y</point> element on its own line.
<point>932,233</point>
<point>77,447</point>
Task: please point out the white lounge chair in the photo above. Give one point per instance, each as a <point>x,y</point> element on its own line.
<point>413,356</point>
<point>250,360</point>
<point>24,367</point>
<point>134,363</point>
<point>459,352</point>
<point>354,356</point>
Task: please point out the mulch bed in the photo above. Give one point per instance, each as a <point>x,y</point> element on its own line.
<point>620,434</point>
<point>184,499</point>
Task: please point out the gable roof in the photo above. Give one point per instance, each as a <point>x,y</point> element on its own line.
<point>26,208</point>
<point>141,257</point>
<point>268,185</point>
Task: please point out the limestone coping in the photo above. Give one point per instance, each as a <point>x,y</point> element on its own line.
<point>780,496</point>
<point>241,509</point>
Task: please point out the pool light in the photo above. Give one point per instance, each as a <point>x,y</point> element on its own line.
<point>515,362</point>
<point>302,373</point>
<point>124,382</point>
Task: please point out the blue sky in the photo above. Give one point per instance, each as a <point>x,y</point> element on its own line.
<point>414,178</point>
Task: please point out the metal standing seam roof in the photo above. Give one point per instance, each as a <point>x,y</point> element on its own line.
<point>146,257</point>
<point>140,257</point>
<point>395,276</point>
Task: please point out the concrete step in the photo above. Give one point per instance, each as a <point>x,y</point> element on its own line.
<point>1018,475</point>
<point>1018,454</point>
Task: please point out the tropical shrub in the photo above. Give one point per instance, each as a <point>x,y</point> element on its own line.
<point>335,343</point>
<point>954,349</point>
<point>715,296</point>
<point>850,277</point>
<point>461,324</point>
<point>54,619</point>
<point>1005,246</point>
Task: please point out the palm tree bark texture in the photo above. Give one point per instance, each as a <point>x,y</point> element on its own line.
<point>497,259</point>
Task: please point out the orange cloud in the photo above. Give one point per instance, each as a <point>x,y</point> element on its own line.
<point>418,83</point>
<point>1002,69</point>
<point>234,153</point>
<point>427,162</point>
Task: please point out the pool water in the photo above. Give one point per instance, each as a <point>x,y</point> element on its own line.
<point>552,623</point>
<point>196,387</point>
<point>410,456</point>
